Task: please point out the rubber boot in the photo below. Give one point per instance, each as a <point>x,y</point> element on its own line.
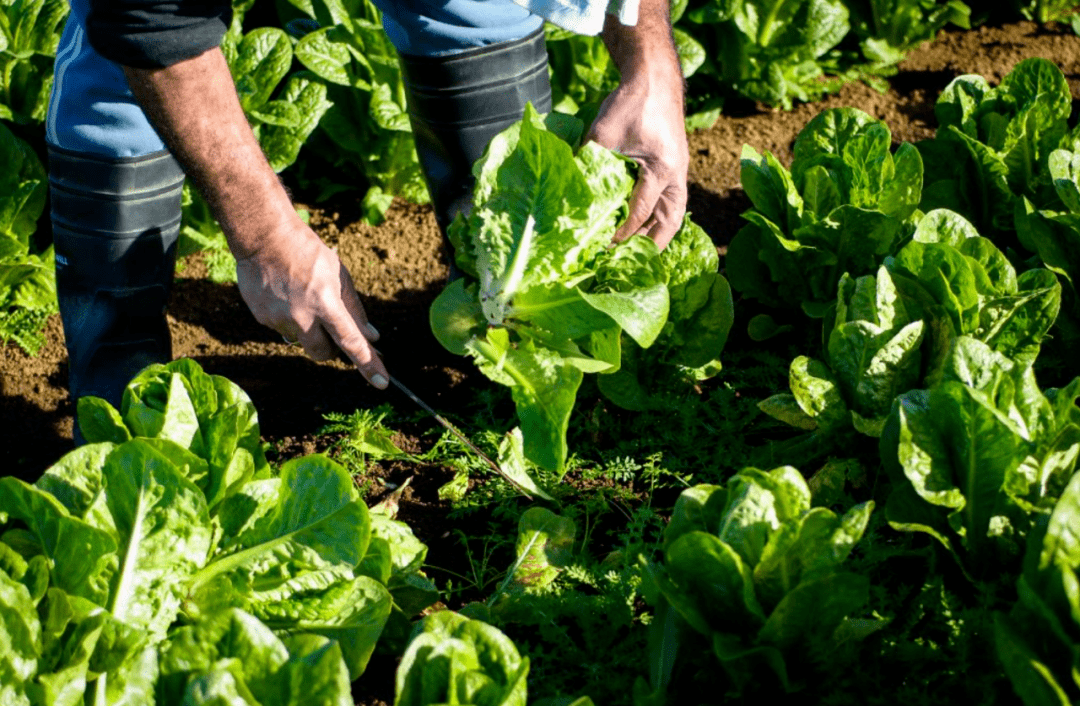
<point>457,103</point>
<point>115,226</point>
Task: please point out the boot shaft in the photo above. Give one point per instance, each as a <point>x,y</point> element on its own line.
<point>457,103</point>
<point>116,223</point>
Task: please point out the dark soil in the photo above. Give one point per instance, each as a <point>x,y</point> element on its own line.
<point>399,268</point>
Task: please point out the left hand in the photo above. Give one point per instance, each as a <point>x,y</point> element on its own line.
<point>643,119</point>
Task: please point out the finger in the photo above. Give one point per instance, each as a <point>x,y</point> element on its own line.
<point>352,303</point>
<point>667,219</point>
<point>646,193</point>
<point>347,335</point>
<point>317,344</point>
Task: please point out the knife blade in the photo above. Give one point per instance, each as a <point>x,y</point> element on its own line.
<point>460,437</point>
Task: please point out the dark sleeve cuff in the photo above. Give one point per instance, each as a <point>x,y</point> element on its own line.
<point>151,34</point>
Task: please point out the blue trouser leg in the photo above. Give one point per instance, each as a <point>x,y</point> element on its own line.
<point>115,207</point>
<point>443,27</point>
<point>470,66</point>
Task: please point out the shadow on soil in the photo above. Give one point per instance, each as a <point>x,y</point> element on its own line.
<point>718,215</point>
<point>21,419</point>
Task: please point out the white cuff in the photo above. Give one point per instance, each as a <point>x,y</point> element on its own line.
<point>582,16</point>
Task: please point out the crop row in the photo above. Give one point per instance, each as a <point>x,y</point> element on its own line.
<point>166,560</point>
<point>326,79</point>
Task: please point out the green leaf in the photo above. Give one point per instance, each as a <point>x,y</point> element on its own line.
<point>100,422</point>
<point>817,393</point>
<point>716,583</point>
<point>957,451</point>
<point>544,545</point>
<point>453,658</point>
<point>957,104</point>
<point>83,557</point>
<point>161,408</point>
<point>543,388</point>
<point>565,313</point>
<point>264,56</point>
<point>944,226</point>
<point>22,189</point>
<point>698,509</point>
<point>630,289</point>
<point>323,53</point>
<point>518,243</point>
<point>456,317</point>
<point>826,136</point>
<point>513,463</point>
<point>282,143</point>
<point>759,503</point>
<point>352,613</point>
<point>1038,81</point>
<point>20,637</point>
<point>1030,676</point>
<point>164,535</point>
<point>1064,169</point>
<point>233,648</point>
<point>808,548</point>
<point>814,609</point>
<point>317,525</point>
<point>762,327</point>
<point>786,408</point>
<point>770,187</point>
<point>77,481</point>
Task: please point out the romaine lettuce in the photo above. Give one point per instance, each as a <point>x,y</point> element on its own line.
<point>453,659</point>
<point>894,332</point>
<point>752,567</point>
<point>976,458</point>
<point>124,540</point>
<point>688,348</point>
<point>231,657</point>
<point>889,29</point>
<point>29,37</point>
<point>545,300</point>
<point>847,203</point>
<point>769,50</point>
<point>367,131</point>
<point>1054,234</point>
<point>993,144</point>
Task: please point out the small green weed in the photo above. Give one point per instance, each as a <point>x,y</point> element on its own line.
<point>364,438</point>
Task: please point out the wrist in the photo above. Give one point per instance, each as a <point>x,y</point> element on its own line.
<point>278,232</point>
<point>645,53</point>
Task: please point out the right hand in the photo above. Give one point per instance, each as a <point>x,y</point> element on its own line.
<point>297,286</point>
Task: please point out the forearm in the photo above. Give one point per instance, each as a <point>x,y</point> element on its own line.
<point>194,107</point>
<point>645,51</point>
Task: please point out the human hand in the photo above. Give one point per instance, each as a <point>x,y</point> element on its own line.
<point>297,286</point>
<point>643,119</point>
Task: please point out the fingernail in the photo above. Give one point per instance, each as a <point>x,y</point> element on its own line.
<point>379,381</point>
<point>373,331</point>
